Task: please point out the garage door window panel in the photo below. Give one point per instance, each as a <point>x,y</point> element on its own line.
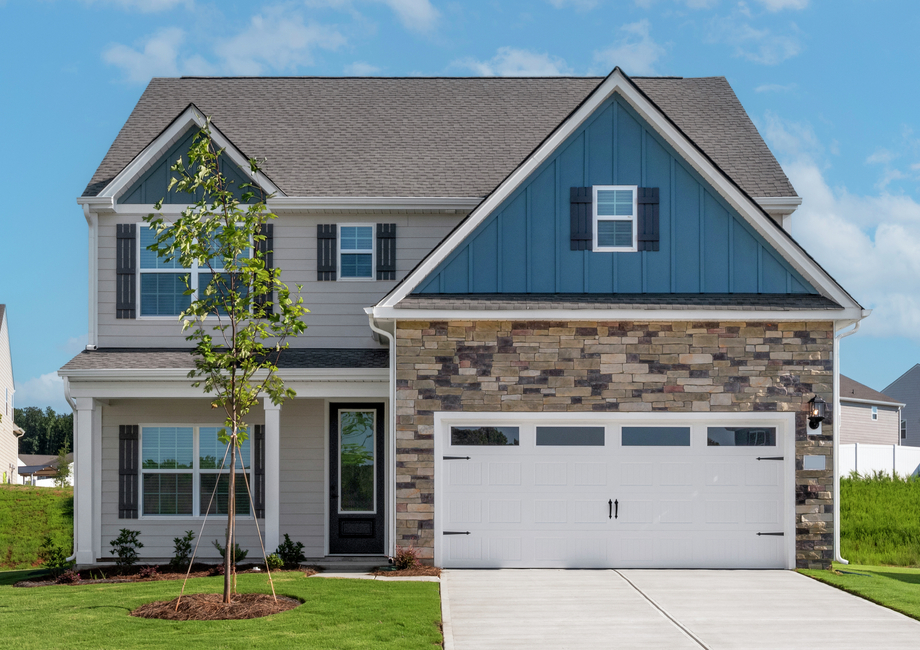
<point>485,436</point>
<point>570,436</point>
<point>741,437</point>
<point>656,437</point>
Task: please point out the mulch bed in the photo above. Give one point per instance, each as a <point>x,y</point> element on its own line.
<point>210,607</point>
<point>103,575</point>
<point>417,571</point>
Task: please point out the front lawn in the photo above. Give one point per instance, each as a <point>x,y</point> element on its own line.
<point>27,514</point>
<point>335,614</point>
<point>894,587</point>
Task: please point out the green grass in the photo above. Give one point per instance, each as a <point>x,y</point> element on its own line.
<point>27,514</point>
<point>880,520</point>
<point>897,588</point>
<point>336,614</point>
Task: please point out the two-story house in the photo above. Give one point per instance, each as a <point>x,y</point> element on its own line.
<point>561,319</point>
<point>906,389</point>
<point>9,432</point>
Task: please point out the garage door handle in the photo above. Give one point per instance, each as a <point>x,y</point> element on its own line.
<point>456,532</point>
<point>770,458</point>
<point>772,534</point>
<point>455,457</point>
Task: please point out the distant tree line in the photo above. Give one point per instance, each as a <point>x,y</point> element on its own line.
<point>46,432</point>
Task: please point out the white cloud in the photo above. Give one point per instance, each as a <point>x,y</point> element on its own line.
<point>636,53</point>
<point>880,156</point>
<point>757,45</point>
<point>691,4</point>
<point>274,41</point>
<point>361,69</point>
<point>416,15</point>
<point>774,88</point>
<point>144,6</point>
<point>42,391</point>
<point>779,5</point>
<point>579,5</point>
<point>512,62</point>
<point>867,242</point>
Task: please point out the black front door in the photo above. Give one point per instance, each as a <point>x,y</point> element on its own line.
<point>356,485</point>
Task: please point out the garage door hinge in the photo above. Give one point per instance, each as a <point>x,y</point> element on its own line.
<point>455,457</point>
<point>455,532</point>
<point>770,457</point>
<point>772,534</point>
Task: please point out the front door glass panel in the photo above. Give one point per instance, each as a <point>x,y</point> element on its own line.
<point>357,461</point>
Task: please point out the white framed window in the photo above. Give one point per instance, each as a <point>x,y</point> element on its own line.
<point>903,429</point>
<point>161,285</point>
<point>615,208</point>
<point>875,413</point>
<point>356,254</point>
<point>180,468</point>
<point>7,402</point>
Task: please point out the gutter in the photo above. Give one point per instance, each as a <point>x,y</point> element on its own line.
<point>837,415</point>
<point>391,491</point>
<point>855,400</point>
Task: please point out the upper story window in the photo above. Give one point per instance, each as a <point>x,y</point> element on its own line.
<point>356,252</point>
<point>162,285</point>
<point>614,218</point>
<point>903,429</point>
<point>875,413</point>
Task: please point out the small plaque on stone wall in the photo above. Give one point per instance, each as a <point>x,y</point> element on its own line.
<point>814,462</point>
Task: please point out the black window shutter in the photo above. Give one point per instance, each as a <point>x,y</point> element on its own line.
<point>647,219</point>
<point>582,234</point>
<point>127,470</point>
<point>386,251</point>
<point>325,251</point>
<point>266,248</point>
<point>258,469</point>
<point>125,270</point>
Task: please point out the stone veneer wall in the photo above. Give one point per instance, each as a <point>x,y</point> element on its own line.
<point>535,366</point>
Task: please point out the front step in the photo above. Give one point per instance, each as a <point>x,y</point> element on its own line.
<point>347,563</point>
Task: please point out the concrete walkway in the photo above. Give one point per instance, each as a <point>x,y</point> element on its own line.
<point>636,609</point>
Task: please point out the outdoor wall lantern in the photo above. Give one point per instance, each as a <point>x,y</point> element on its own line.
<point>816,412</point>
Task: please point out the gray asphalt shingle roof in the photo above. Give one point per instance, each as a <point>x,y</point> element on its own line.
<point>424,137</point>
<point>650,301</point>
<point>153,358</point>
<point>850,388</point>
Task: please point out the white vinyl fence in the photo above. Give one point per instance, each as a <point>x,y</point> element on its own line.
<point>868,459</point>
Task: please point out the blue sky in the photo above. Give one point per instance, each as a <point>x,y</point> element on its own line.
<point>832,86</point>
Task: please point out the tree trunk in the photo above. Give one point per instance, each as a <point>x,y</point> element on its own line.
<point>231,519</point>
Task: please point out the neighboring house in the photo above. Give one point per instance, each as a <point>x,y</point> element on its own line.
<point>42,469</point>
<point>555,322</point>
<point>906,389</point>
<point>868,416</point>
<point>9,432</point>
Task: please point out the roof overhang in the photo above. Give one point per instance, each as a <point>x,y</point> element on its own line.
<point>191,116</point>
<point>375,204</point>
<point>873,402</point>
<point>649,314</point>
<point>748,207</point>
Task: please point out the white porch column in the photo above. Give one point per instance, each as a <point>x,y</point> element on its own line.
<point>83,481</point>
<point>272,475</point>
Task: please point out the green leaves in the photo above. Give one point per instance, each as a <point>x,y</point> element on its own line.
<point>237,341</point>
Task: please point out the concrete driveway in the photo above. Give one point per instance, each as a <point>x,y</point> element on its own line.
<point>550,608</point>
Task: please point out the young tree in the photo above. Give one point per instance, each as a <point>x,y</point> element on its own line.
<point>63,467</point>
<point>242,315</point>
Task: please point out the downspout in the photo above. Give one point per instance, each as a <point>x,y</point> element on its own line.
<point>837,415</point>
<point>73,407</point>
<point>391,490</point>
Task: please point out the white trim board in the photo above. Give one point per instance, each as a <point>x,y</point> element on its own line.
<point>152,152</point>
<point>618,82</point>
<point>639,315</point>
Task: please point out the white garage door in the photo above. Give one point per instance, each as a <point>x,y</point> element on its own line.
<point>642,493</point>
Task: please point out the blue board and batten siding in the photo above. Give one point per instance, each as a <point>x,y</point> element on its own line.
<point>524,245</point>
<point>153,185</point>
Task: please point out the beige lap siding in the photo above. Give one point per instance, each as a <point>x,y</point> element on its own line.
<point>617,367</point>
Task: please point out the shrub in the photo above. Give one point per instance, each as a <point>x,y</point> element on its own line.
<point>217,570</point>
<point>182,553</point>
<point>54,557</point>
<point>274,562</point>
<point>406,557</point>
<point>148,572</point>
<point>124,548</point>
<point>290,552</point>
<point>68,577</point>
<point>880,520</point>
<point>238,554</point>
